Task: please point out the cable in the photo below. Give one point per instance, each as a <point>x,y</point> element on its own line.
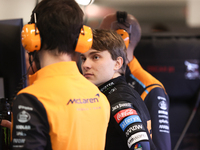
<point>189,122</point>
<point>24,77</point>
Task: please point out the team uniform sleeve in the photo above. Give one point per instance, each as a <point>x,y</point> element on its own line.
<point>130,126</point>
<point>157,103</point>
<point>30,125</point>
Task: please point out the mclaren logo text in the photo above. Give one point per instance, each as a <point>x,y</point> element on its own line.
<point>83,101</point>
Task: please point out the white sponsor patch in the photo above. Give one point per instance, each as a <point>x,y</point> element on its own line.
<point>163,116</point>
<point>161,98</point>
<point>162,105</point>
<point>23,127</point>
<point>164,131</point>
<point>162,112</point>
<point>18,146</point>
<point>19,141</point>
<point>23,116</point>
<point>113,90</point>
<point>133,128</point>
<point>121,105</point>
<point>166,127</point>
<point>25,107</point>
<point>20,133</point>
<point>136,138</point>
<point>163,121</point>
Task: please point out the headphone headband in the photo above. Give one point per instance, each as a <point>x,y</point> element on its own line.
<point>31,40</point>
<point>121,16</point>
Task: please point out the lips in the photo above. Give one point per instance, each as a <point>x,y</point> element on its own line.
<point>88,75</point>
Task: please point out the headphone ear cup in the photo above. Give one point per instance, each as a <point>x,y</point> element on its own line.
<point>30,38</point>
<point>124,35</point>
<point>85,40</point>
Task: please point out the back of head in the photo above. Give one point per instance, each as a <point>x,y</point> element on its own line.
<point>59,23</point>
<point>112,42</point>
<point>122,20</point>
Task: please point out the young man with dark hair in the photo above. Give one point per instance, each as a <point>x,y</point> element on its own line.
<point>104,65</point>
<point>60,110</point>
<point>150,89</point>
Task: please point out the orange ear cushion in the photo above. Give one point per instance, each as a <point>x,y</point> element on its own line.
<point>30,39</point>
<point>85,40</point>
<point>124,35</point>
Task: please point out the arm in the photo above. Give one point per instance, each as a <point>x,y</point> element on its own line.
<point>30,124</point>
<point>130,125</point>
<point>158,105</point>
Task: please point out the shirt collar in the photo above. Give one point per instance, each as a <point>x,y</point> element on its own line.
<point>60,68</point>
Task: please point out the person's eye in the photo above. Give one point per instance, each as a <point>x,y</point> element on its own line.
<point>96,57</point>
<point>83,58</point>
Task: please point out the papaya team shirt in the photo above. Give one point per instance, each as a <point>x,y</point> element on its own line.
<point>60,110</point>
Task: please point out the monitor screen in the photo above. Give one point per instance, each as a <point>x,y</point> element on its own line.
<point>174,60</point>
<point>12,57</point>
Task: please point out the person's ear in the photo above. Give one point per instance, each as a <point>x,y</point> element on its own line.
<point>119,63</point>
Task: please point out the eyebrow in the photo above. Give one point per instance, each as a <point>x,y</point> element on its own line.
<point>95,52</point>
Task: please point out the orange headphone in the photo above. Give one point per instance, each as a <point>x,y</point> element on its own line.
<point>31,41</point>
<point>124,35</point>
<point>121,18</point>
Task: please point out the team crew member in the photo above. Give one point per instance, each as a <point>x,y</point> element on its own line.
<point>104,65</point>
<point>61,110</point>
<point>150,89</point>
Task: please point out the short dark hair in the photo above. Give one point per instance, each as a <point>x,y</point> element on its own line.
<point>112,42</point>
<point>59,23</point>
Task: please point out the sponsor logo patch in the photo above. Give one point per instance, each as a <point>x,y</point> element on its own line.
<point>138,146</point>
<point>23,116</point>
<point>136,138</point>
<point>163,116</point>
<point>161,98</point>
<point>124,113</point>
<point>166,127</point>
<point>20,133</point>
<point>106,87</point>
<point>163,121</point>
<point>25,107</point>
<point>162,105</point>
<point>19,141</point>
<point>136,127</point>
<point>162,112</point>
<point>23,127</point>
<point>127,121</point>
<point>120,105</point>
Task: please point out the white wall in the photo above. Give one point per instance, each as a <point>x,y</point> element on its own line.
<point>13,9</point>
<point>193,13</point>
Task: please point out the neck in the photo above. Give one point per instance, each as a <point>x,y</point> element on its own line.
<point>48,58</point>
<point>116,74</point>
<point>130,52</point>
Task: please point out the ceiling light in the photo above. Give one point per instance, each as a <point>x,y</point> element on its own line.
<point>84,2</point>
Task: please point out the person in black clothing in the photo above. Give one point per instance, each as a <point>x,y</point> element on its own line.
<point>151,90</point>
<point>104,65</point>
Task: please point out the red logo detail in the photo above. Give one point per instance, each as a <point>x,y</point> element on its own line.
<point>161,69</point>
<point>124,113</point>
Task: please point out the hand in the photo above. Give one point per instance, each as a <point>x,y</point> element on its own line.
<point>6,123</point>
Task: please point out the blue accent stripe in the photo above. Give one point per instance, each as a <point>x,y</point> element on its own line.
<point>129,120</point>
<point>132,76</point>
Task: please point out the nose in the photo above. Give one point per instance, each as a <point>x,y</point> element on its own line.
<point>86,65</point>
